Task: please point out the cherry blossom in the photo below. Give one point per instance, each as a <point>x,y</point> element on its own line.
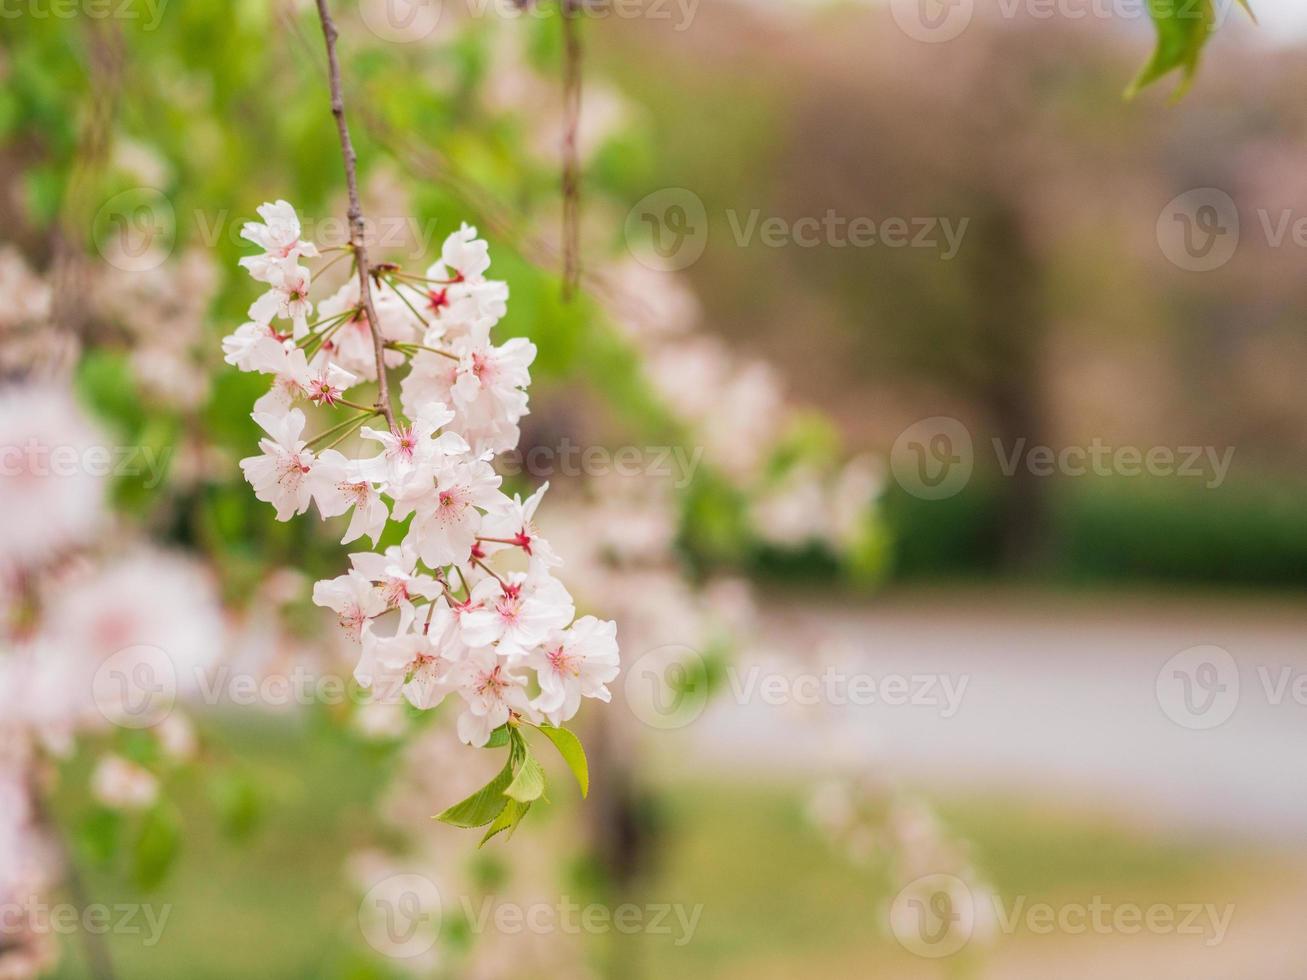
<point>575,663</point>
<point>123,785</point>
<point>279,237</point>
<point>491,691</point>
<point>280,476</point>
<point>449,610</point>
<point>517,612</point>
<point>352,598</point>
<point>341,484</point>
<point>514,527</point>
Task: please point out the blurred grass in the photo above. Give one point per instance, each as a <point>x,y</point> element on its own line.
<point>1248,534</point>
<point>775,894</point>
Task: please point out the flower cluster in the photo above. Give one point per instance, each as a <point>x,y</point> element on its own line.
<point>476,609</point>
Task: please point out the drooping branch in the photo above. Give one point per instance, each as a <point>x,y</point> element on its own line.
<point>99,961</point>
<point>357,228</point>
<point>571,11</point>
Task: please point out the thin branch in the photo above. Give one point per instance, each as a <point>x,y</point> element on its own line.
<point>571,159</point>
<point>98,959</point>
<point>357,229</point>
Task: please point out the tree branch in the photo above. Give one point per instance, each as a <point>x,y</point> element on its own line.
<point>355,213</point>
<point>99,961</point>
<point>571,162</point>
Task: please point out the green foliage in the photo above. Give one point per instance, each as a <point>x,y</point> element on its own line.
<point>573,753</point>
<point>504,801</point>
<point>485,804</point>
<point>157,844</point>
<point>1183,28</point>
<point>99,834</point>
<point>238,803</point>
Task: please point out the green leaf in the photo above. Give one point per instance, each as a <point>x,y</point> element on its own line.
<point>485,804</point>
<point>99,835</point>
<point>239,805</point>
<point>573,753</point>
<point>507,821</point>
<point>1183,27</point>
<point>528,782</point>
<point>498,738</point>
<point>157,847</point>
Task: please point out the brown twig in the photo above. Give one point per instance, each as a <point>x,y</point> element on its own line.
<point>356,226</point>
<point>571,159</point>
<point>98,959</point>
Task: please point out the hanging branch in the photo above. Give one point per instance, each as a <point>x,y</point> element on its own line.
<point>355,213</point>
<point>571,164</point>
<point>99,961</point>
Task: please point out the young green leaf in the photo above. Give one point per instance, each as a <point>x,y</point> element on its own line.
<point>1183,27</point>
<point>157,846</point>
<point>507,821</point>
<point>528,782</point>
<point>573,753</point>
<point>100,833</point>
<point>488,802</point>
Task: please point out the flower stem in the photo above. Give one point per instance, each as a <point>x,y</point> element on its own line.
<point>357,228</point>
<point>354,420</point>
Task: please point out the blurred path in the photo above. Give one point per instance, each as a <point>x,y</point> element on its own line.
<point>1055,696</point>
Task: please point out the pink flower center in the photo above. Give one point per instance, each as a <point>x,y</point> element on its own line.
<point>509,608</point>
<point>563,662</point>
<point>492,684</point>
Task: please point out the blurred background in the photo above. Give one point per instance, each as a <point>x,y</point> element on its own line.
<point>958,564</point>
